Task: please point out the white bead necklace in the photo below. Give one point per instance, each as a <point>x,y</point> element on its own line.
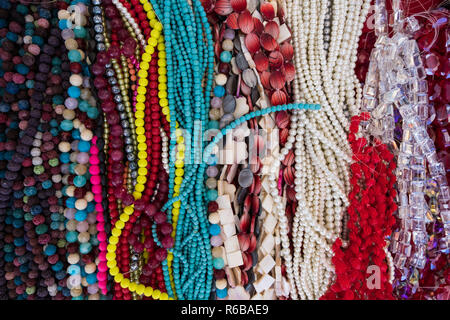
<point>319,139</point>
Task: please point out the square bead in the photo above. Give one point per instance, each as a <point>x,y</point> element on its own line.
<point>232,244</point>
<point>226,216</point>
<point>235,259</point>
<point>268,244</point>
<point>270,223</point>
<point>266,264</point>
<point>229,230</point>
<point>264,283</point>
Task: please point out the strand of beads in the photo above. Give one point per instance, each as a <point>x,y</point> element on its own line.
<point>98,181</point>
<point>98,170</point>
<point>58,104</point>
<point>276,79</point>
<point>156,186</point>
<point>235,84</point>
<point>7,122</point>
<point>95,179</point>
<point>79,119</point>
<point>401,89</point>
<point>220,290</point>
<point>121,32</point>
<point>323,182</point>
<point>15,112</point>
<point>119,98</point>
<point>112,98</point>
<point>133,286</point>
<point>370,221</point>
<point>30,202</point>
<point>211,150</point>
<point>45,190</point>
<point>13,100</point>
<point>430,282</point>
<point>327,26</point>
<point>192,238</point>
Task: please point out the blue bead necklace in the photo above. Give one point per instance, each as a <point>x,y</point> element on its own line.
<point>190,72</point>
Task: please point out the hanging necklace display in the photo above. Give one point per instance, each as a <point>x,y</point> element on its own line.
<point>115,183</point>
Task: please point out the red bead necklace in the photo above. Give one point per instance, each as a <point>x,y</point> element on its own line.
<point>137,231</point>
<point>361,269</point>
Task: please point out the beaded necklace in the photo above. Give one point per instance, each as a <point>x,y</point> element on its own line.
<point>190,244</point>
<point>429,283</point>
<point>274,63</point>
<point>133,286</point>
<point>111,97</point>
<point>370,221</point>
<point>235,83</point>
<point>97,169</point>
<point>6,122</point>
<point>120,84</point>
<point>322,180</point>
<point>79,118</point>
<point>43,188</point>
<point>419,170</point>
<point>27,201</point>
<point>13,100</point>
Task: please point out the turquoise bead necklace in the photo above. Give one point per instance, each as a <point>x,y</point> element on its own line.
<point>189,53</point>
